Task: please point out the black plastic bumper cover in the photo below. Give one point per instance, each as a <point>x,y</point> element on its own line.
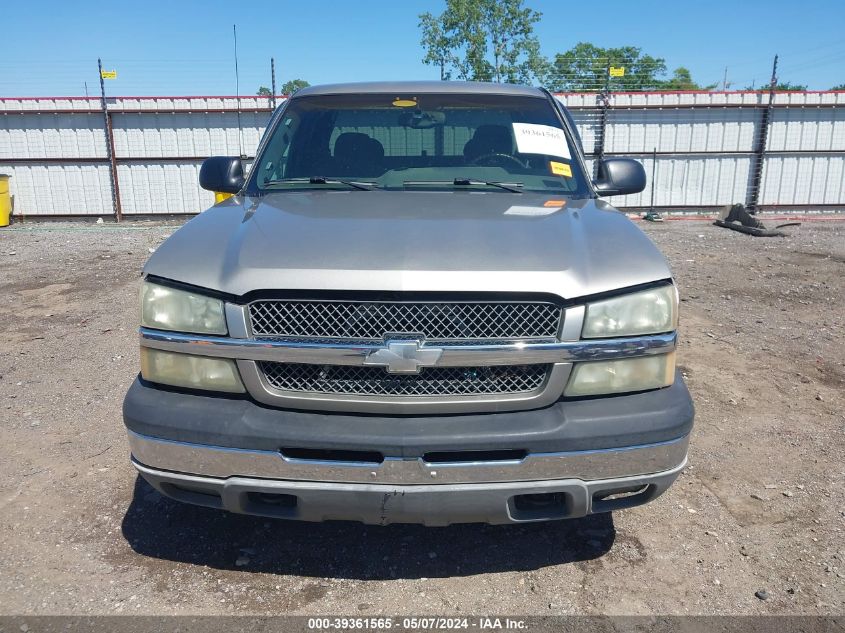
<point>610,422</point>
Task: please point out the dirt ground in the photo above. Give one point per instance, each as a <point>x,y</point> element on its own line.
<point>761,506</point>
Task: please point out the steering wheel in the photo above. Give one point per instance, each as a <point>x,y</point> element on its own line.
<point>496,157</point>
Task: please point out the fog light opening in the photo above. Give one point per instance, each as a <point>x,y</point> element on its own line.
<point>272,499</point>
<point>535,507</point>
<point>613,499</point>
<point>610,495</point>
<point>192,494</point>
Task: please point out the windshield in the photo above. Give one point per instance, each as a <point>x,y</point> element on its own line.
<point>371,141</point>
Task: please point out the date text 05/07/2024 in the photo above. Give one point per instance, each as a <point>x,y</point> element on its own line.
<point>416,624</point>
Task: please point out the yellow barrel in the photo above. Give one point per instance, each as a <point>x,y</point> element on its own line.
<point>5,201</point>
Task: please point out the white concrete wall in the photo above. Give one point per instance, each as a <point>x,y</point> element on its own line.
<point>159,144</point>
<point>55,148</point>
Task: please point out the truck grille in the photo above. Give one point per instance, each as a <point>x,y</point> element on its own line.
<point>431,381</point>
<point>435,321</point>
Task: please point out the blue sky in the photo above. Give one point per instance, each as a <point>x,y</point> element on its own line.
<point>185,47</point>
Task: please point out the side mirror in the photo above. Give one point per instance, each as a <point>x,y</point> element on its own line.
<point>222,173</point>
<point>620,176</point>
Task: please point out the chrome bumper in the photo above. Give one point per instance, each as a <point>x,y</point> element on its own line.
<point>433,505</point>
<point>223,463</point>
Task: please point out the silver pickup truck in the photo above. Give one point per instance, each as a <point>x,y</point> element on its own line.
<point>414,308</point>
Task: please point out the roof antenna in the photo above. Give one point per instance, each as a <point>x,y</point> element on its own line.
<point>238,94</point>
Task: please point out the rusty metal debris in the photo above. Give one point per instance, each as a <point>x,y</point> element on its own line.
<point>737,218</point>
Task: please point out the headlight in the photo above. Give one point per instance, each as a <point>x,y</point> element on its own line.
<point>621,376</point>
<point>646,312</point>
<point>166,308</point>
<point>193,372</point>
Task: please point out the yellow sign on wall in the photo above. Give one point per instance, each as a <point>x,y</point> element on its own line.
<point>617,71</point>
<point>108,74</point>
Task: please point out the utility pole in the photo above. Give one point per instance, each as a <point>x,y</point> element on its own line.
<point>774,81</point>
<point>603,102</point>
<point>273,81</point>
<point>651,215</point>
<point>115,190</point>
<point>760,150</point>
<point>238,93</point>
<point>653,176</point>
<point>725,80</point>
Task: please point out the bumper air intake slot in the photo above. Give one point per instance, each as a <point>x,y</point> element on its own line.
<point>449,457</point>
<point>330,455</point>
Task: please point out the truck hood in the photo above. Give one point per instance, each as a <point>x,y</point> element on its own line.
<point>410,241</point>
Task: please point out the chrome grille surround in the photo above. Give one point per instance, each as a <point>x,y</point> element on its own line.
<point>556,354</point>
<point>431,320</point>
<point>431,381</point>
<point>432,323</point>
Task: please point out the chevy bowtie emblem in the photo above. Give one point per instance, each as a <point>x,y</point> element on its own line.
<point>403,357</point>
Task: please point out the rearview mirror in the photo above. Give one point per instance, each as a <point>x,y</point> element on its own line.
<point>420,120</point>
<point>222,173</point>
<point>620,176</point>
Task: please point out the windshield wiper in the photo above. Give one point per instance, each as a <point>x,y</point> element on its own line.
<point>322,180</point>
<point>513,187</point>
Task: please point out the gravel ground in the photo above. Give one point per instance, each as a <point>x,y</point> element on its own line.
<point>759,509</point>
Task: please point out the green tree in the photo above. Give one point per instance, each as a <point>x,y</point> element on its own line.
<point>681,79</point>
<point>484,40</point>
<point>784,86</point>
<point>264,91</point>
<point>585,66</point>
<point>289,87</point>
<point>839,87</point>
<point>438,47</point>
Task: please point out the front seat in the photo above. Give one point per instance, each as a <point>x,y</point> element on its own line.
<point>489,139</point>
<point>356,154</point>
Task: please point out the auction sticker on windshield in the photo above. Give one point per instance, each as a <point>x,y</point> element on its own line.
<point>532,138</point>
<point>560,169</point>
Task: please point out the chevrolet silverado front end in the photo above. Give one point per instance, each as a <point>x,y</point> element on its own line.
<point>414,309</point>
